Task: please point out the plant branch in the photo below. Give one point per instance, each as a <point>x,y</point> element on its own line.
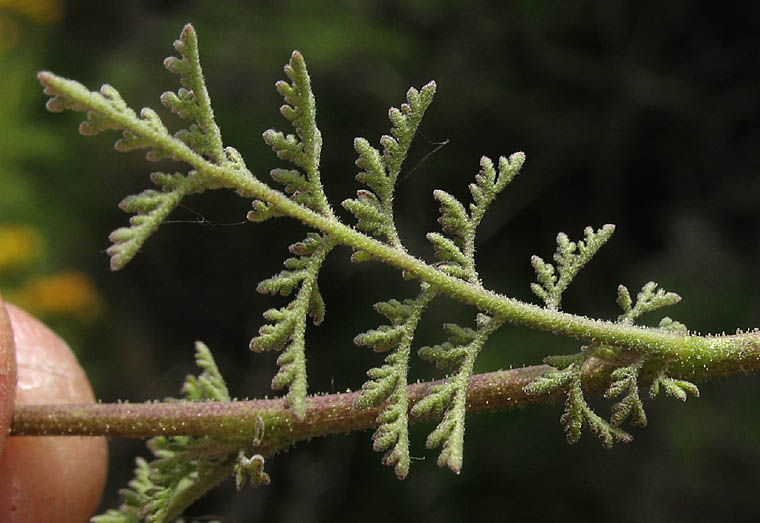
<point>702,349</point>
<point>333,413</point>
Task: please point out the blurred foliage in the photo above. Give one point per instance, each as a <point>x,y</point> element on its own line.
<point>643,111</point>
<point>34,266</point>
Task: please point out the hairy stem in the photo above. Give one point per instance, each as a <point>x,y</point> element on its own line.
<point>701,349</point>
<point>334,413</point>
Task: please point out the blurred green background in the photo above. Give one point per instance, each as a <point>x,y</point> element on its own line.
<point>637,113</point>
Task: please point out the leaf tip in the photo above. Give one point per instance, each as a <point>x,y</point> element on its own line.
<point>297,61</point>
<point>44,77</point>
<point>116,263</point>
<point>188,33</point>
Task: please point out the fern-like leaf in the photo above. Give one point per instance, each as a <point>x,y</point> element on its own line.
<point>302,149</point>
<point>455,250</point>
<point>388,383</point>
<point>192,101</point>
<point>185,467</point>
<point>287,329</point>
<point>458,353</point>
<point>561,376</point>
<point>579,414</point>
<point>209,386</point>
<point>487,185</point>
<point>374,208</point>
<point>106,110</point>
<point>626,383</point>
<point>679,389</point>
<point>250,470</point>
<point>570,258</point>
<point>449,354</point>
<point>625,378</point>
<point>150,209</point>
<point>650,298</point>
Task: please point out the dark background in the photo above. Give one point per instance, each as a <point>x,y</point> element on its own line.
<point>637,113</point>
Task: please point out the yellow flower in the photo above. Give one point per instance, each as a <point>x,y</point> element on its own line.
<point>19,244</point>
<point>69,292</point>
<point>42,12</point>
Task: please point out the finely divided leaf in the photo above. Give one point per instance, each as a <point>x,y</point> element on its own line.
<point>650,298</point>
<point>388,383</point>
<point>449,353</point>
<point>487,185</point>
<point>374,208</point>
<point>578,414</point>
<point>458,353</point>
<point>209,386</point>
<point>553,379</point>
<point>106,110</point>
<point>679,389</point>
<point>570,258</point>
<point>625,382</point>
<point>250,469</point>
<point>302,149</point>
<point>151,208</point>
<point>192,101</point>
<point>455,250</point>
<point>287,329</point>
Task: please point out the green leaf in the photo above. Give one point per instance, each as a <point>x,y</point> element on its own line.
<point>374,208</point>
<point>625,382</point>
<point>669,324</point>
<point>388,383</point>
<point>456,253</point>
<point>570,258</point>
<point>209,386</point>
<point>650,298</point>
<point>450,353</point>
<point>458,353</point>
<point>552,380</point>
<point>106,110</point>
<point>487,186</point>
<point>303,149</point>
<point>454,219</point>
<point>679,389</point>
<point>437,400</point>
<point>579,414</point>
<point>250,470</point>
<point>192,101</point>
<point>287,328</point>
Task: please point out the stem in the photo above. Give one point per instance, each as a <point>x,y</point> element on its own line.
<point>694,357</point>
<point>325,414</point>
<point>684,347</point>
<point>328,414</point>
<point>674,345</point>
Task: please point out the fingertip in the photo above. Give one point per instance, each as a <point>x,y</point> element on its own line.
<point>7,374</point>
<point>67,472</point>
